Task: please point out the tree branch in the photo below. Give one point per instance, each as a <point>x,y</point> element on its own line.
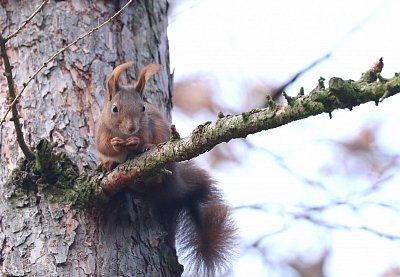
<point>341,94</point>
<point>27,21</point>
<point>11,91</point>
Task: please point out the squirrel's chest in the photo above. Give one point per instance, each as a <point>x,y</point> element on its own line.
<point>119,158</point>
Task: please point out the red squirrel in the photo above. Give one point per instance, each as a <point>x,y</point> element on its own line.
<point>187,201</point>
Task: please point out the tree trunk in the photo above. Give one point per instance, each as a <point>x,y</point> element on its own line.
<point>40,234</point>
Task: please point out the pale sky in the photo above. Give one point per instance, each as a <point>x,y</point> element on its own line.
<point>241,41</point>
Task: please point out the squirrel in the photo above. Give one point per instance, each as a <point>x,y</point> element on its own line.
<point>187,200</point>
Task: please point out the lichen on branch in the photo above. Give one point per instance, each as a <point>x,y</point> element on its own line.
<point>341,94</point>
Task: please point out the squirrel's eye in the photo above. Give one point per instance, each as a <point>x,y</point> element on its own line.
<point>114,108</point>
<point>143,108</point>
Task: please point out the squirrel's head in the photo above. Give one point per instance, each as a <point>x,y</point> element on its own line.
<point>125,109</point>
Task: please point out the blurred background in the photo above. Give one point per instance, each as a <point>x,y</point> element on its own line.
<point>318,197</point>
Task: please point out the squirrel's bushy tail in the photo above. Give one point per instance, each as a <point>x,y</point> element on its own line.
<point>206,234</point>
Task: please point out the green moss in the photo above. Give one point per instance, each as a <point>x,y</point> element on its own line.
<point>321,96</point>
<point>301,92</point>
<point>346,91</point>
<point>271,103</point>
<point>369,77</point>
<point>43,155</point>
<point>313,107</point>
<point>321,84</point>
<point>52,173</point>
<point>86,191</point>
<point>290,100</point>
<point>198,132</point>
<point>389,88</point>
<point>54,167</point>
<point>245,116</point>
<point>20,187</point>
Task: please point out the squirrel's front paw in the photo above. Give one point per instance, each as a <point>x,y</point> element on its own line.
<point>118,142</point>
<point>132,141</point>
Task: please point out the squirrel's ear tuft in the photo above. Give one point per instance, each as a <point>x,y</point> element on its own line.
<point>145,75</point>
<point>112,82</point>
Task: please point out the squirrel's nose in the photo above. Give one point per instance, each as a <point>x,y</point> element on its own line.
<point>130,128</point>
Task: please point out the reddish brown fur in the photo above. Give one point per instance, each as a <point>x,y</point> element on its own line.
<point>113,142</point>
<point>112,82</point>
<point>144,76</point>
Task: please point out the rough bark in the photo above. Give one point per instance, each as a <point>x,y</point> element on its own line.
<point>41,234</point>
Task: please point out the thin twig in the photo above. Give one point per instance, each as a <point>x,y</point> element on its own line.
<point>279,160</point>
<point>8,73</point>
<point>44,65</point>
<point>311,214</point>
<point>27,21</point>
<point>335,226</point>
